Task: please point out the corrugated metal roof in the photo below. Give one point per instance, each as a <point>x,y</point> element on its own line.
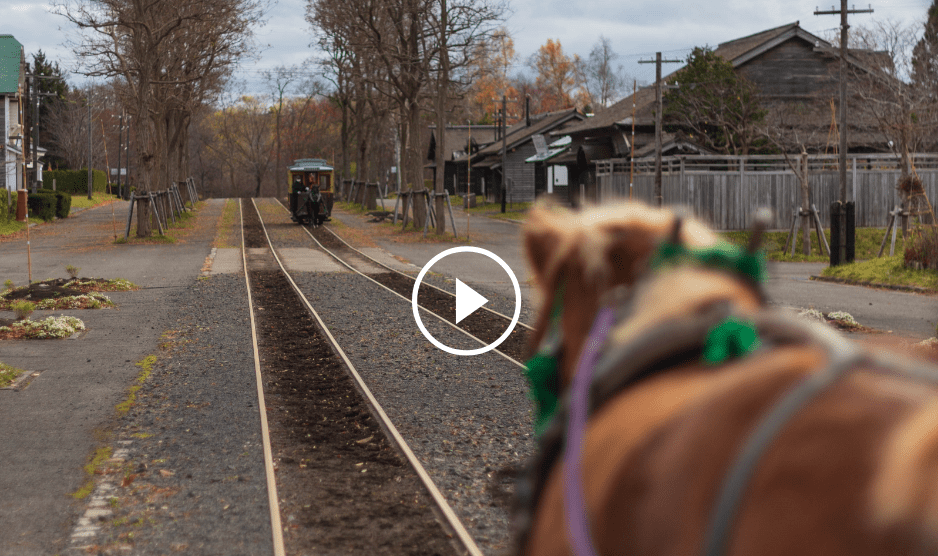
<point>310,165</point>
<point>11,58</point>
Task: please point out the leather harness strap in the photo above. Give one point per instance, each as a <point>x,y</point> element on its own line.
<point>628,364</point>
<point>842,357</point>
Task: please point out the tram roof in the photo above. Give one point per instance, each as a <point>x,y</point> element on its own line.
<point>310,165</point>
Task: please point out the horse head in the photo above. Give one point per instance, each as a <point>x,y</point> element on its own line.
<point>579,258</point>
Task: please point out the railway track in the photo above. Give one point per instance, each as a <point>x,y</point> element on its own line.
<point>485,325</point>
<point>347,480</point>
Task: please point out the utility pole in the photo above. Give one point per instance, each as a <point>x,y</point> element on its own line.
<point>89,147</point>
<point>842,116</point>
<point>659,107</point>
<point>120,148</point>
<point>35,141</point>
<point>504,151</point>
<point>35,96</point>
<point>632,146</point>
<point>469,194</point>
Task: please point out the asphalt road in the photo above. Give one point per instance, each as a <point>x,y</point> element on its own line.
<point>910,315</point>
<point>907,314</point>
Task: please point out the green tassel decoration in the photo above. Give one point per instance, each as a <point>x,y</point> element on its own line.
<point>541,372</point>
<point>731,338</point>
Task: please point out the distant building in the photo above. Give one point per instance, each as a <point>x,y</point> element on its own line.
<point>460,139</point>
<point>12,84</point>
<point>522,141</point>
<point>796,72</point>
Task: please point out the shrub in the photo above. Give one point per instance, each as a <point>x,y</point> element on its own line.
<point>22,309</point>
<point>74,182</point>
<point>7,209</point>
<point>63,204</point>
<point>922,249</point>
<point>42,204</point>
<point>72,271</point>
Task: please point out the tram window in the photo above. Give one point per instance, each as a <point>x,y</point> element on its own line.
<point>297,181</point>
<point>324,181</point>
<point>312,180</point>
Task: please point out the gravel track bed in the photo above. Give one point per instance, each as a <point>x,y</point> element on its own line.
<point>468,419</point>
<point>194,480</point>
<point>482,324</point>
<point>497,302</point>
<point>284,232</point>
<point>343,488</point>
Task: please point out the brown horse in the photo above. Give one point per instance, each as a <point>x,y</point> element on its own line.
<point>792,440</point>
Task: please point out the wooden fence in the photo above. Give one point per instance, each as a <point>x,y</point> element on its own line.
<point>725,191</point>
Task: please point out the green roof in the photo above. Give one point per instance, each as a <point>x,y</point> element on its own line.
<point>11,57</point>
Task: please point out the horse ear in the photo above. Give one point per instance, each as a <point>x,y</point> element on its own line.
<point>542,235</point>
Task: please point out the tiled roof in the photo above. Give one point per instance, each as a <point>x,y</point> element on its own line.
<point>644,99</point>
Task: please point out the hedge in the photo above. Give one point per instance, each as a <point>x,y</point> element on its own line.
<point>42,204</point>
<point>63,204</point>
<point>74,182</point>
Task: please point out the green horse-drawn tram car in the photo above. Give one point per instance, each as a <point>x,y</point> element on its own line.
<point>311,193</point>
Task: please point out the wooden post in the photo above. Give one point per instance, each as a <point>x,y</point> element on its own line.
<point>822,240</point>
<point>156,210</point>
<point>29,253</point>
<point>891,226</point>
<point>130,215</point>
<point>451,219</point>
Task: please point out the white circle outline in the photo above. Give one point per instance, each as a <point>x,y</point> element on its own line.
<point>514,282</point>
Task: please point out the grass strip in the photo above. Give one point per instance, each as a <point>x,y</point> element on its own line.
<point>888,271</point>
<point>8,374</point>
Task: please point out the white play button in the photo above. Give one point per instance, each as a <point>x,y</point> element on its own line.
<point>467,300</point>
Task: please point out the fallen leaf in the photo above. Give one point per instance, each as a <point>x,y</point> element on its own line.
<point>166,473</point>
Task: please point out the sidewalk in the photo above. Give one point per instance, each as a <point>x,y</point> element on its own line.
<point>51,427</point>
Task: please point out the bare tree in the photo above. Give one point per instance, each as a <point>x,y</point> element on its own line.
<point>394,48</point>
<point>170,56</point>
<point>783,128</point>
<point>67,124</point>
<point>602,78</point>
<point>245,133</point>
<point>897,90</point>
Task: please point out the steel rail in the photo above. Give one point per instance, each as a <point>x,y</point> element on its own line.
<point>408,300</point>
<point>272,498</point>
<point>394,270</point>
<point>451,518</point>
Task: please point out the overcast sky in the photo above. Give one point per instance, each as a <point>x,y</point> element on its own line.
<point>637,29</point>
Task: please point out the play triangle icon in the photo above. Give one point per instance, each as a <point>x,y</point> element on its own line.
<point>467,300</point>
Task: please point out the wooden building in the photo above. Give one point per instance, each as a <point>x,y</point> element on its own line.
<point>460,140</point>
<point>12,84</point>
<point>797,73</point>
<point>519,141</point>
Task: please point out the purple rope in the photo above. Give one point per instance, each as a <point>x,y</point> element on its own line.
<point>577,519</point>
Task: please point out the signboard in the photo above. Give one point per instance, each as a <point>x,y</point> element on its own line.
<point>540,144</point>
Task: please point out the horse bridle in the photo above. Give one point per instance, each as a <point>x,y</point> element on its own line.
<point>599,379</point>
